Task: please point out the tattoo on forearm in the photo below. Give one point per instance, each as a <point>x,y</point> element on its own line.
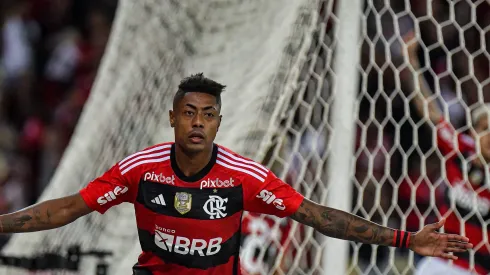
<point>31,219</point>
<point>46,215</point>
<point>342,225</point>
<point>15,223</point>
<point>40,219</point>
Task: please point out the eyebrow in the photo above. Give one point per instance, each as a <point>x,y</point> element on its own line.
<point>205,108</point>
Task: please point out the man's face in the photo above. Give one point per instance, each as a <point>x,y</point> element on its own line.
<point>195,120</point>
<point>483,133</point>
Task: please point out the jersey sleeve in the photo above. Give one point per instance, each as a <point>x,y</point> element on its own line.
<point>449,141</point>
<point>270,195</point>
<point>110,189</point>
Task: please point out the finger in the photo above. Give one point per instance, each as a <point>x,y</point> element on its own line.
<point>460,245</point>
<point>448,256</point>
<point>453,237</point>
<point>437,225</point>
<point>455,249</point>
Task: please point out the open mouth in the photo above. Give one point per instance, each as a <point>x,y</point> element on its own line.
<point>196,137</point>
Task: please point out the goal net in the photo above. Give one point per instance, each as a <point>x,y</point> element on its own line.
<point>314,91</point>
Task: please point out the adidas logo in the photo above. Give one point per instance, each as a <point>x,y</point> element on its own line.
<point>159,200</point>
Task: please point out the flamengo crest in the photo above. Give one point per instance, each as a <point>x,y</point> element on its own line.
<point>215,207</point>
<point>183,202</point>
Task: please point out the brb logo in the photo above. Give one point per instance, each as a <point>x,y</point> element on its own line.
<point>168,241</point>
<point>269,197</point>
<point>159,178</point>
<point>209,183</point>
<point>111,195</point>
<point>215,207</point>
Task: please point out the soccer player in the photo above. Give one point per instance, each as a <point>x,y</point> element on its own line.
<point>470,194</point>
<point>189,196</point>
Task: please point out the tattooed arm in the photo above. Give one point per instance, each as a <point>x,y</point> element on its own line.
<point>45,215</point>
<point>342,225</point>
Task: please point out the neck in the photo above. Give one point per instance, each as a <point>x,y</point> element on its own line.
<point>191,163</point>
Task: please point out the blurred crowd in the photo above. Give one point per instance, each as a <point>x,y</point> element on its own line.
<point>49,54</point>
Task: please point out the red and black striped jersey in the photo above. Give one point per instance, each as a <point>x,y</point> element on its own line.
<point>190,225</point>
<point>466,202</point>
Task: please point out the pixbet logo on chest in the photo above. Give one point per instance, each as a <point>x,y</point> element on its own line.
<point>209,183</point>
<point>159,178</point>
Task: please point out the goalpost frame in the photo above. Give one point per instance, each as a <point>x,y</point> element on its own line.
<point>340,164</point>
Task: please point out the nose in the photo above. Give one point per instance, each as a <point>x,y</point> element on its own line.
<point>198,121</point>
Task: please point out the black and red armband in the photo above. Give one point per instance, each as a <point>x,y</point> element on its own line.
<point>401,239</point>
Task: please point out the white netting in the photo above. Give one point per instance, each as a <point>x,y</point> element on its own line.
<point>277,60</point>
<point>153,45</point>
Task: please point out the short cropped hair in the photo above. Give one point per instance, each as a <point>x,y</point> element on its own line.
<point>200,84</point>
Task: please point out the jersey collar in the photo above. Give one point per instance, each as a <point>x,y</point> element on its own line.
<point>199,175</point>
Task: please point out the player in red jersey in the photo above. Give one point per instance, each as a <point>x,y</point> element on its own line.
<point>189,197</point>
<point>466,203</point>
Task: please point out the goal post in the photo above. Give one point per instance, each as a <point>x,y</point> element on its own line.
<point>345,89</point>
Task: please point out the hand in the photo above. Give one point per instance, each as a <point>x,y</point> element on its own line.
<point>412,44</point>
<point>429,242</point>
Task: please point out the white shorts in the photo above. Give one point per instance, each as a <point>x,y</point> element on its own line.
<point>438,266</point>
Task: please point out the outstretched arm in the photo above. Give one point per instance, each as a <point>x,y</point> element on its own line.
<point>342,225</point>
<point>45,215</point>
<point>421,94</point>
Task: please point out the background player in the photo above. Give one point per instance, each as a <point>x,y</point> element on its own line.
<point>461,156</point>
<point>189,197</point>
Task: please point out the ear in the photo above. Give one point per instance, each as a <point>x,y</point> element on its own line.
<point>171,118</point>
<point>219,121</point>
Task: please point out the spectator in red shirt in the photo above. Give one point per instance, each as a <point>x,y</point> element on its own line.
<point>466,200</point>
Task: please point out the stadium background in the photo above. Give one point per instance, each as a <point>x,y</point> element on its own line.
<point>51,50</point>
<point>50,54</point>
